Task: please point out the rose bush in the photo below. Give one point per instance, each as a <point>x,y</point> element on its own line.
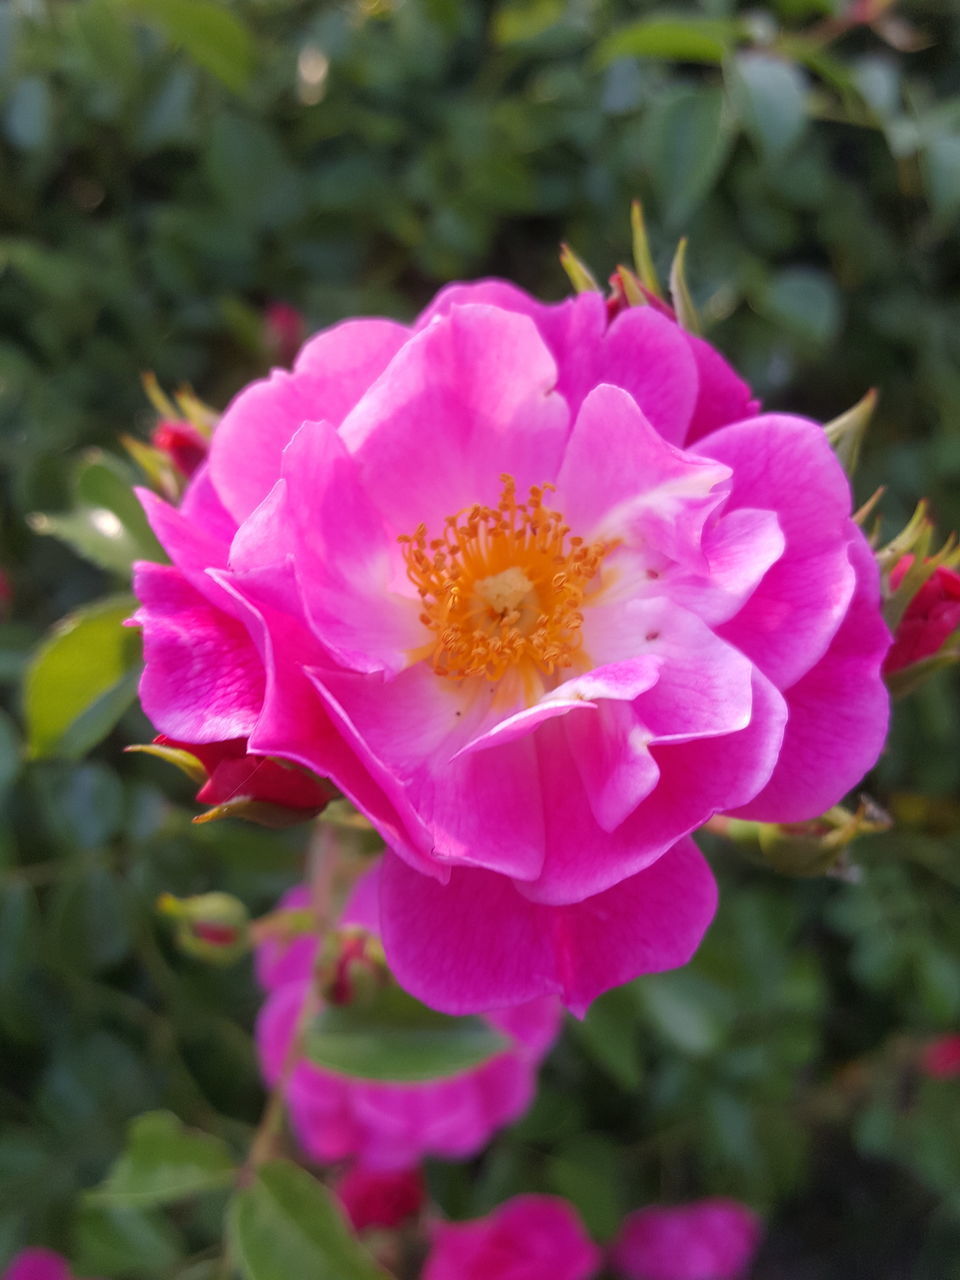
<point>386,1126</point>
<point>541,593</point>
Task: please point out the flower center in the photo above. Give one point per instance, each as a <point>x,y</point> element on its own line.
<point>502,587</point>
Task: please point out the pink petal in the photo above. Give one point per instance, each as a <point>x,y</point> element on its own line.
<point>203,680</point>
<point>467,399</point>
<point>332,372</point>
<point>722,398</point>
<point>476,944</point>
<point>787,465</point>
<point>839,712</point>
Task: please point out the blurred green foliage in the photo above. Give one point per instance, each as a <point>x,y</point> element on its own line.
<point>170,167</point>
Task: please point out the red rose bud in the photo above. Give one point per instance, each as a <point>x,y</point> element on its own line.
<point>211,926</point>
<point>373,1198</point>
<point>940,1058</point>
<point>284,329</point>
<point>182,443</point>
<point>239,784</point>
<point>930,618</point>
<point>351,967</point>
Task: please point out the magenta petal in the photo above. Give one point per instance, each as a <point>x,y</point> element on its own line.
<point>331,373</point>
<point>203,680</point>
<point>707,1240</point>
<point>477,944</point>
<point>722,396</point>
<point>38,1264</point>
<point>838,712</point>
<point>466,400</point>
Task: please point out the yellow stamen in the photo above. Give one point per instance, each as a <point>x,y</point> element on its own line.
<point>502,587</point>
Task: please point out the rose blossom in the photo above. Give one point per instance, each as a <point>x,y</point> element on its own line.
<point>540,594</point>
<point>38,1264</point>
<point>930,618</point>
<point>385,1126</point>
<point>530,1237</point>
<point>707,1240</point>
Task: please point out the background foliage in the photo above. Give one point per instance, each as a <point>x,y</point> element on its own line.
<point>168,168</point>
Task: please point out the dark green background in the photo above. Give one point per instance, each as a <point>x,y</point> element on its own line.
<point>162,179</point>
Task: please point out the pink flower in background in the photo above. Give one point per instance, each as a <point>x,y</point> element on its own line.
<point>930,619</point>
<point>940,1058</point>
<point>392,1126</point>
<point>540,594</point>
<point>707,1240</point>
<point>373,1198</point>
<point>38,1264</point>
<point>529,1238</point>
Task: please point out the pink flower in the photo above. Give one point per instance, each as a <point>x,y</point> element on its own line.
<point>540,594</point>
<point>940,1058</point>
<point>528,1238</point>
<point>38,1264</point>
<point>373,1198</point>
<point>707,1240</point>
<point>392,1126</point>
<point>931,617</point>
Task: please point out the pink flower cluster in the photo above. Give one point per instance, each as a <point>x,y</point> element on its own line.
<point>541,592</point>
<point>536,1237</point>
<point>392,1126</point>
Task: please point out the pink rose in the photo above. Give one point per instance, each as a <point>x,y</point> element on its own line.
<point>392,1126</point>
<point>374,1198</point>
<point>38,1264</point>
<point>940,1058</point>
<point>931,617</point>
<point>541,595</point>
<point>528,1238</point>
<point>708,1240</point>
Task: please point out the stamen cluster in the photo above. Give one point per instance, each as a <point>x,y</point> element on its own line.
<point>503,587</point>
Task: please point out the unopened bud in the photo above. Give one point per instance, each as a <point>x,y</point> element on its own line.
<point>351,967</point>
<point>210,926</point>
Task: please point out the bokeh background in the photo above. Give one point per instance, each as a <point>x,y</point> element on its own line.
<point>172,169</point>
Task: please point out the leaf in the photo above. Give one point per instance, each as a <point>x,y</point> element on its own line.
<point>9,752</point>
<point>770,96</point>
<point>286,1225</point>
<point>212,35</point>
<point>687,137</point>
<point>124,1242</point>
<point>88,926</point>
<point>107,524</point>
<point>29,114</point>
<point>81,680</point>
<point>394,1037</point>
<point>609,1035</point>
<point>164,1162</point>
<point>805,301</point>
<point>687,39</point>
<point>941,168</point>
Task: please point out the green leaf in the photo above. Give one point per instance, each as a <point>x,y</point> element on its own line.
<point>124,1242</point>
<point>88,926</point>
<point>107,524</point>
<point>81,680</point>
<point>9,752</point>
<point>680,39</point>
<point>164,1162</point>
<point>770,96</point>
<point>286,1225</point>
<point>213,36</point>
<point>609,1034</point>
<point>941,168</point>
<point>805,301</point>
<point>687,138</point>
<point>29,114</point>
<point>394,1037</point>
